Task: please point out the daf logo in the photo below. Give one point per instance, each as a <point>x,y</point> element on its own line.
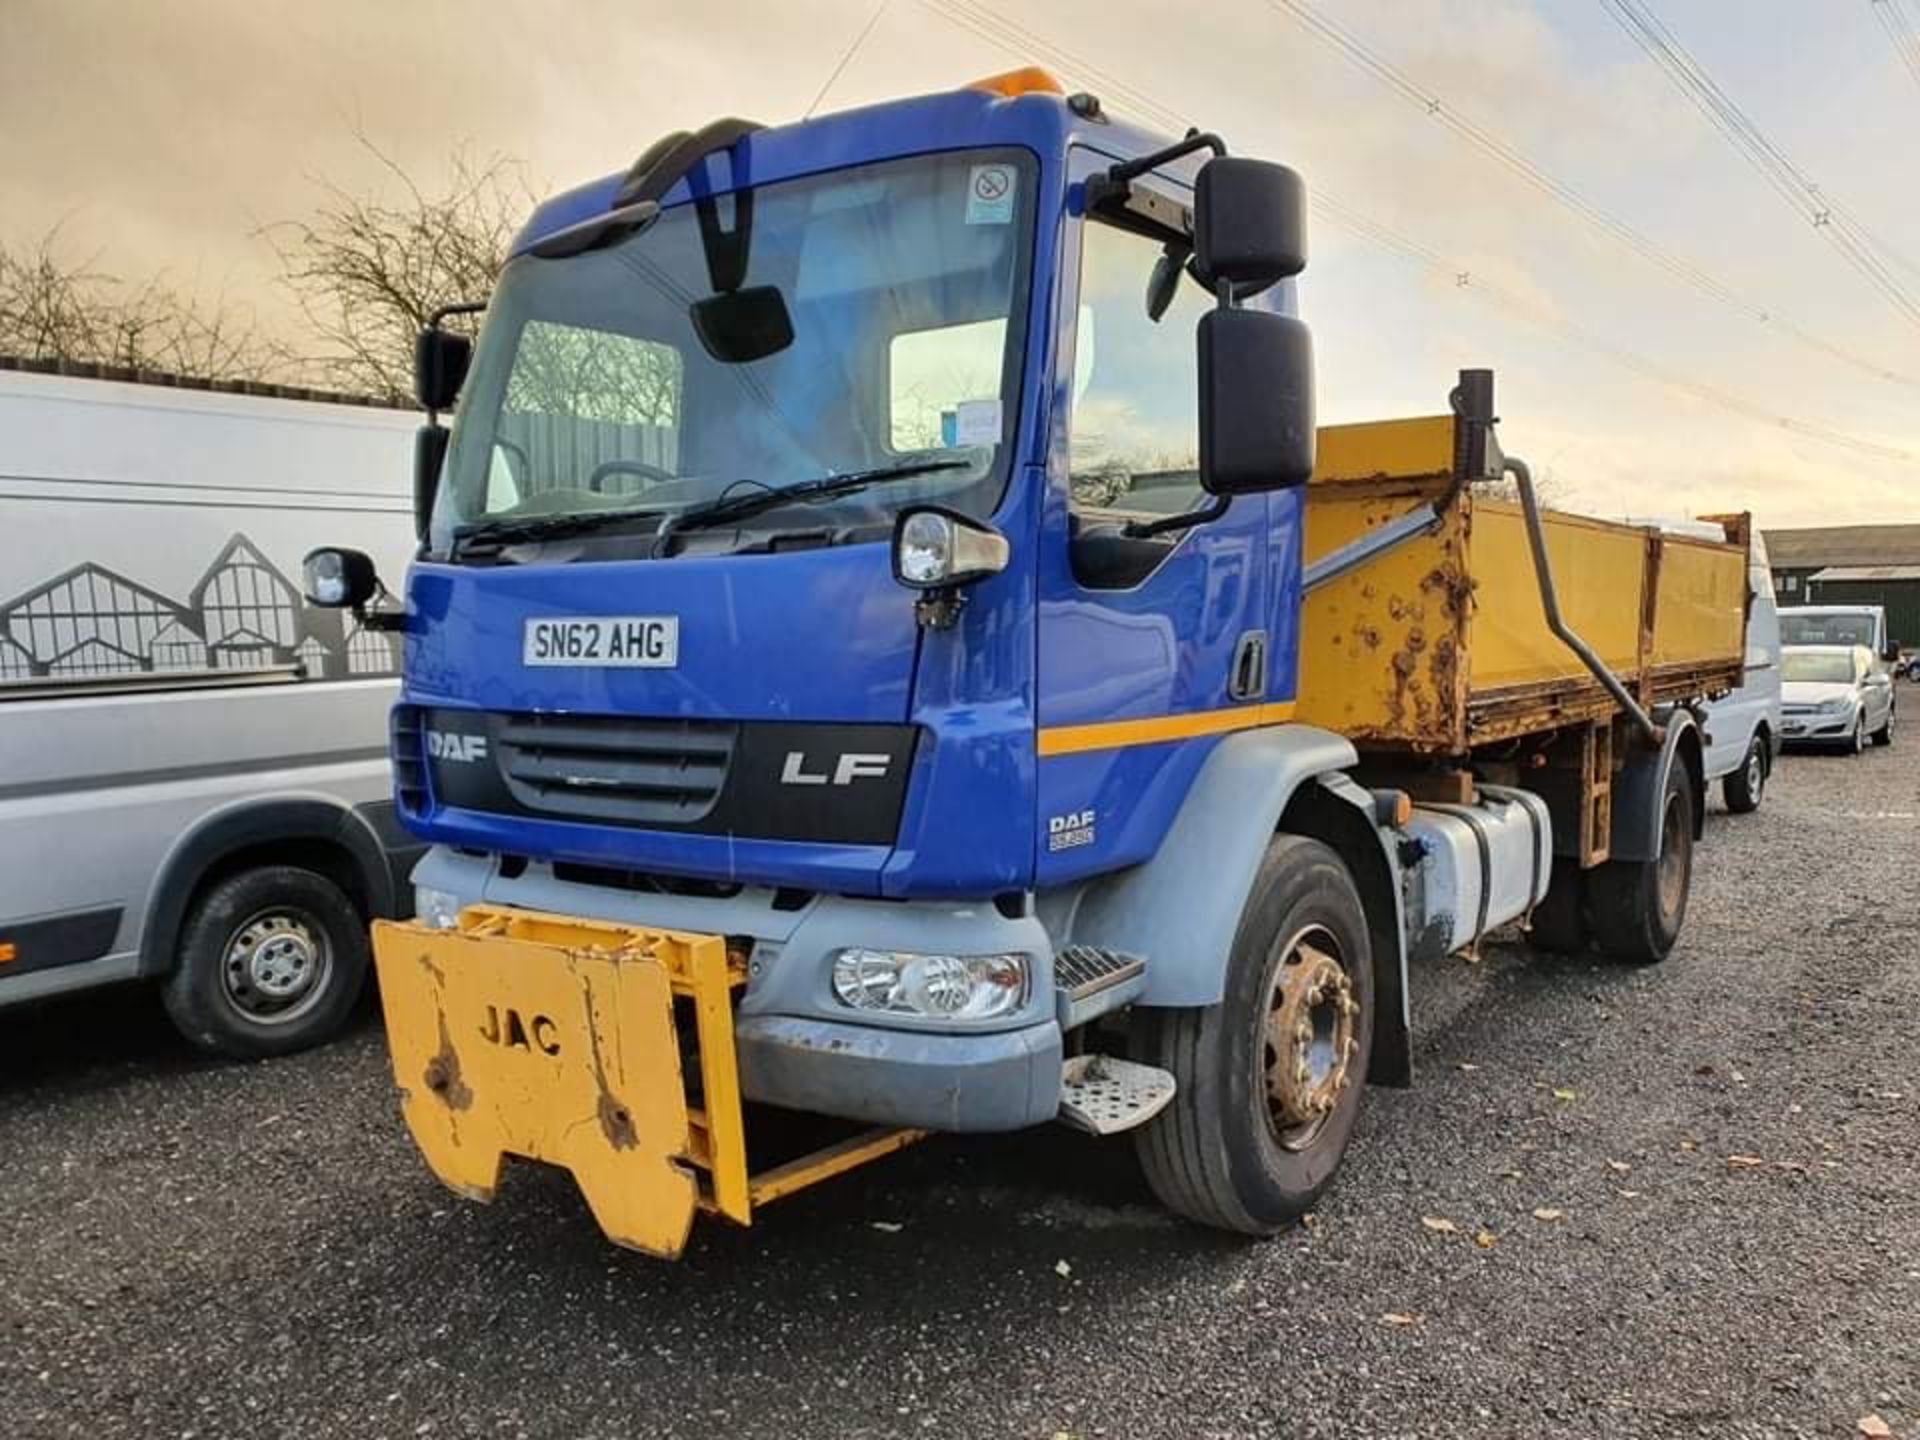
<point>463,748</point>
<point>846,769</point>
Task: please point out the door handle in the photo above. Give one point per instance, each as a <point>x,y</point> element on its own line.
<point>1249,679</point>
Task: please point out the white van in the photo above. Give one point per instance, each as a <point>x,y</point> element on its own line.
<point>1743,729</point>
<point>193,765</point>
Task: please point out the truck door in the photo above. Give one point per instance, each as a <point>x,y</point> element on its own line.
<point>1149,648</point>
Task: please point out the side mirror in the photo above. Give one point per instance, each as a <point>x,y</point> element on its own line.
<point>339,579</point>
<point>440,361</point>
<point>1249,223</point>
<point>429,457</point>
<point>1892,653</point>
<point>1256,401</point>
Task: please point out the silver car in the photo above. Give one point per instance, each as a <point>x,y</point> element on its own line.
<point>1835,696</point>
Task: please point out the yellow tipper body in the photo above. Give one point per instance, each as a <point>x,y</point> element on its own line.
<point>1441,643</point>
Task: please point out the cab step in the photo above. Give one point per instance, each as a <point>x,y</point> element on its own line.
<point>1104,1095</point>
<point>1089,981</point>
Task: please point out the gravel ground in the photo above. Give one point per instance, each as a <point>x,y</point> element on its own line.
<point>198,1249</point>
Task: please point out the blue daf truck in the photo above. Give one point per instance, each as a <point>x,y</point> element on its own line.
<point>853,664</point>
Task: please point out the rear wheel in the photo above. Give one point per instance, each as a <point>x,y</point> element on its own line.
<point>271,960</point>
<point>1270,1078</point>
<point>1636,907</point>
<point>1745,786</point>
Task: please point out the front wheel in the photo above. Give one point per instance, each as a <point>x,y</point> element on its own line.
<point>1636,907</point>
<point>271,960</point>
<point>1884,735</point>
<point>1269,1080</point>
<point>1745,786</point>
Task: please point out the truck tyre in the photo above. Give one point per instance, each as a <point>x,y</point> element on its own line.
<point>1745,786</point>
<point>1269,1080</point>
<point>1559,921</point>
<point>1636,907</point>
<point>1884,735</point>
<point>271,960</point>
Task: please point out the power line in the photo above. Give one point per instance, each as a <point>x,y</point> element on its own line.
<point>1358,54</point>
<point>1017,40</point>
<point>1837,225</point>
<point>847,58</point>
<point>1894,19</point>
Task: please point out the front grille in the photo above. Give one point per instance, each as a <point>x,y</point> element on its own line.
<point>611,768</point>
<point>409,761</point>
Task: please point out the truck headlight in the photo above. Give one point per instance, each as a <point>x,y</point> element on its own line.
<point>939,987</point>
<point>436,909</point>
<point>935,548</point>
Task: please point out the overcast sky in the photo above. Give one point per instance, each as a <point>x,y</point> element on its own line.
<point>163,136</point>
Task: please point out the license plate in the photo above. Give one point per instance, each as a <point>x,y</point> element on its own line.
<point>643,642</point>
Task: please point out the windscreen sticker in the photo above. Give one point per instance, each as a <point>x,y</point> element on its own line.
<point>990,195</point>
<point>976,422</point>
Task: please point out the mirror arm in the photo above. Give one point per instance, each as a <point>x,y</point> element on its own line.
<point>1142,529</point>
<point>380,613</point>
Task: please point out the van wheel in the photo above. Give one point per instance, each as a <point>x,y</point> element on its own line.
<point>1559,921</point>
<point>1637,906</point>
<point>271,960</point>
<point>1269,1080</point>
<point>1745,786</point>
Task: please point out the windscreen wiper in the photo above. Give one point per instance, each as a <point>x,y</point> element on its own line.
<point>540,527</point>
<point>753,502</point>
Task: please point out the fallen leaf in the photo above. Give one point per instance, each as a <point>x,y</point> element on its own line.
<point>1628,1194</point>
<point>1873,1425</point>
<point>1468,1066</point>
<point>1485,1239</point>
<point>1509,1174</point>
<point>1622,1166</point>
<point>1396,1317</point>
<point>1889,1095</point>
<point>1062,1268</point>
<point>887,1227</point>
<point>1744,1162</point>
<point>1703,1069</point>
<point>1737,1077</point>
<point>1688,1145</point>
<point>1310,1220</point>
<point>1566,1097</point>
<point>1439,1225</point>
<point>1548,1213</point>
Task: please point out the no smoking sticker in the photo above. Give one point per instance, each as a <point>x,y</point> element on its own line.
<point>990,195</point>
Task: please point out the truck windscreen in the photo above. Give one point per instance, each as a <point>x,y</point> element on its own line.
<point>857,320</point>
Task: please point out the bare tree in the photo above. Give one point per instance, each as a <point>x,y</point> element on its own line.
<point>53,309</point>
<point>369,270</point>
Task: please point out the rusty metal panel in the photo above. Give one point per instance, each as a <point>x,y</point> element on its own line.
<point>1381,649</point>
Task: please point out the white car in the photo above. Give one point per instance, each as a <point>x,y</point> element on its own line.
<point>1835,695</point>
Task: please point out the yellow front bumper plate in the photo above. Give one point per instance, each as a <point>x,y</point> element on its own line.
<point>535,1035</point>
